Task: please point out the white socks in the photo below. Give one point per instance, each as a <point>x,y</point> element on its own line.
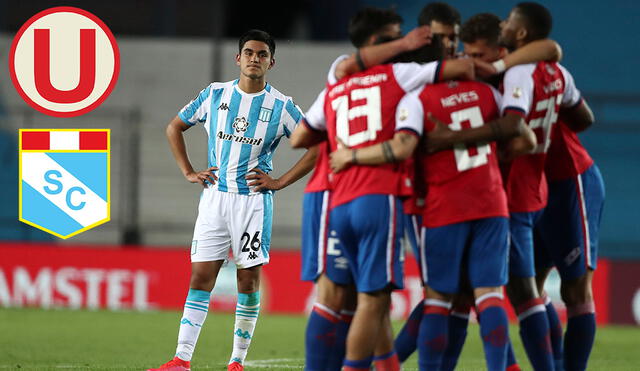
<point>195,312</point>
<point>247,311</point>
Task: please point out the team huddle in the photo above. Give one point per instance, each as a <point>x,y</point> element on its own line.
<point>472,160</point>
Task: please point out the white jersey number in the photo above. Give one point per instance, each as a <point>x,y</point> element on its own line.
<point>464,160</point>
<point>370,110</point>
<point>545,123</point>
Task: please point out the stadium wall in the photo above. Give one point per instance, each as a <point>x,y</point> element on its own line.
<point>109,277</point>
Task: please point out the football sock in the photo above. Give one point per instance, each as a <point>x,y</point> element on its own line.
<point>405,342</point>
<point>512,363</point>
<point>336,358</point>
<point>387,362</point>
<point>195,312</point>
<point>320,337</point>
<point>432,338</point>
<point>458,322</point>
<point>494,329</point>
<point>555,332</point>
<point>247,310</point>
<point>578,340</point>
<point>359,365</point>
<point>534,331</point>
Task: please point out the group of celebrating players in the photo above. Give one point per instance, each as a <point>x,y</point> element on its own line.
<point>473,160</point>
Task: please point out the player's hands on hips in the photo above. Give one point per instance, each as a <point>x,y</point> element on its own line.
<point>417,38</point>
<point>262,181</point>
<point>341,158</point>
<point>203,176</point>
<point>440,138</point>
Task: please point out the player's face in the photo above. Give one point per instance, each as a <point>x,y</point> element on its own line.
<point>480,49</point>
<point>449,36</point>
<point>254,59</point>
<point>513,30</point>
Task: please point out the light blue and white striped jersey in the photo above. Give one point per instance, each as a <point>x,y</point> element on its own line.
<point>244,129</point>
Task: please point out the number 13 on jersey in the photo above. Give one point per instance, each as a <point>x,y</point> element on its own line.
<point>370,110</point>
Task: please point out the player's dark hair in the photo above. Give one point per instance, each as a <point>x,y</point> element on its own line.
<point>483,26</point>
<point>439,12</point>
<point>537,20</point>
<point>428,53</point>
<point>258,35</point>
<point>368,21</point>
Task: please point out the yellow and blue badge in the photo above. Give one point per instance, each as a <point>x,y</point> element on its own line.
<point>64,179</point>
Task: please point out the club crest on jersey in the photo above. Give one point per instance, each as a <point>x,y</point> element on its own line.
<point>265,114</point>
<point>240,124</point>
<point>64,179</point>
<point>517,92</point>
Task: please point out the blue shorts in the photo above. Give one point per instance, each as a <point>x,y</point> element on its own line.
<point>477,249</point>
<point>521,255</point>
<point>412,229</point>
<point>370,231</point>
<point>321,253</point>
<point>567,235</point>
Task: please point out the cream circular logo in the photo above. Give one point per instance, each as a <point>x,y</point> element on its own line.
<point>64,61</point>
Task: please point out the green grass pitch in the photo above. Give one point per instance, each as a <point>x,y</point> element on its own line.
<point>34,339</point>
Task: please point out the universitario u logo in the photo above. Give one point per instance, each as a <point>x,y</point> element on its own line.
<point>64,61</point>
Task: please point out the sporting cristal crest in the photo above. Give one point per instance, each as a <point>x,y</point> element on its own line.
<point>64,179</point>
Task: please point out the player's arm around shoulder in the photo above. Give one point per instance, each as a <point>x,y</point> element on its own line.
<point>174,132</point>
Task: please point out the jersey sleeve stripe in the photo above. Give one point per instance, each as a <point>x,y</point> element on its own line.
<point>439,71</point>
<point>188,112</point>
<point>517,110</point>
<point>293,111</point>
<point>408,131</point>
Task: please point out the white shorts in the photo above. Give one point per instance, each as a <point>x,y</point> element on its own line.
<point>231,220</point>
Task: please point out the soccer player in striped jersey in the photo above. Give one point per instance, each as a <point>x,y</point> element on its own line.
<point>245,119</point>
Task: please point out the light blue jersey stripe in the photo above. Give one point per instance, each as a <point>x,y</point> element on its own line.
<point>187,113</point>
<point>213,126</point>
<point>270,135</point>
<point>267,218</point>
<point>234,106</point>
<point>245,151</point>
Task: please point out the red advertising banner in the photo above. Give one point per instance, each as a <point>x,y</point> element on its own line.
<point>143,278</point>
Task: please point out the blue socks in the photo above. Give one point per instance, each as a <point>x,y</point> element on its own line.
<point>534,331</point>
<point>340,346</point>
<point>555,332</point>
<point>432,337</point>
<point>494,329</point>
<point>406,341</point>
<point>458,323</point>
<point>578,340</point>
<point>320,337</point>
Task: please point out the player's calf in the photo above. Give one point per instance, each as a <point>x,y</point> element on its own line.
<point>366,328</point>
<point>434,329</point>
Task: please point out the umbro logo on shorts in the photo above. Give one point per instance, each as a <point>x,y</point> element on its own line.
<point>224,107</point>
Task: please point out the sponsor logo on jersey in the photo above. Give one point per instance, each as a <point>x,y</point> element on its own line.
<point>64,179</point>
<point>554,86</point>
<point>240,124</point>
<point>403,114</point>
<point>239,139</point>
<point>224,107</point>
